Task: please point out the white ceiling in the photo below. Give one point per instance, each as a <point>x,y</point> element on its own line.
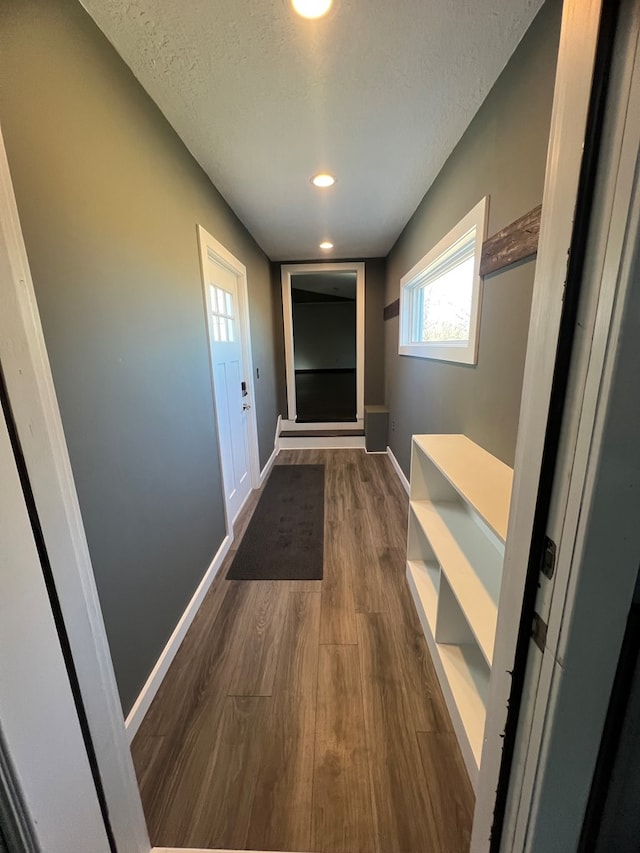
<point>378,92</point>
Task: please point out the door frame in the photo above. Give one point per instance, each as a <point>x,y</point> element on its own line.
<point>286,271</point>
<point>596,498</point>
<point>572,95</point>
<point>212,250</point>
<point>39,813</point>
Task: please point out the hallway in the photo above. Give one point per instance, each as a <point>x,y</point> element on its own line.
<point>306,716</point>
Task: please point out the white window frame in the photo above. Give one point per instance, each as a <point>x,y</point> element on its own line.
<point>465,352</point>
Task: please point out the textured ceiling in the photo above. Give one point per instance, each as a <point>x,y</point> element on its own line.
<point>377,92</point>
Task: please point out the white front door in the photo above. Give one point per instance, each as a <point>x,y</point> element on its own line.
<point>231,388</point>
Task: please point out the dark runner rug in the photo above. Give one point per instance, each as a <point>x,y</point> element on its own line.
<point>284,539</point>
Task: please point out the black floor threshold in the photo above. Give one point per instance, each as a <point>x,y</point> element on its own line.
<point>327,420</point>
<point>317,433</point>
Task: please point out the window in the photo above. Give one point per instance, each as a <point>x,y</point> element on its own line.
<point>440,297</point>
<point>222,311</point>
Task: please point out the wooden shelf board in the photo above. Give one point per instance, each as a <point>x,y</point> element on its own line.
<point>425,578</point>
<point>483,481</point>
<point>468,677</point>
<point>464,678</point>
<point>457,540</point>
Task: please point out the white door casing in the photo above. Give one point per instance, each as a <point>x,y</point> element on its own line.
<point>39,726</point>
<point>594,506</point>
<point>572,93</point>
<point>224,281</point>
<point>287,270</point>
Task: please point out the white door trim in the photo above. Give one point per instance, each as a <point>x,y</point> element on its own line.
<point>27,374</point>
<point>287,270</point>
<point>212,249</point>
<point>38,717</point>
<point>578,40</point>
<point>598,539</point>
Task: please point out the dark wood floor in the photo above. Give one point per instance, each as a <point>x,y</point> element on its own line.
<point>306,716</point>
<point>326,395</point>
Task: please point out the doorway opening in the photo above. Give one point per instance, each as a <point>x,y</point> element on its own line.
<point>323,308</point>
<point>324,346</point>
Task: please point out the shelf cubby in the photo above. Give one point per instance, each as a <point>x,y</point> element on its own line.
<point>459,508</point>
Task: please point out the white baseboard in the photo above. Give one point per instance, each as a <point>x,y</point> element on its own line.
<point>152,684</point>
<point>267,468</point>
<point>399,470</point>
<point>279,423</point>
<point>276,449</point>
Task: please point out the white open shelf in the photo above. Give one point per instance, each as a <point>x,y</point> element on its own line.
<point>459,511</point>
<point>483,481</point>
<point>471,562</point>
<point>467,676</point>
<point>426,579</point>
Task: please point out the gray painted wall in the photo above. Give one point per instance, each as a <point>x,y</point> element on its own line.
<point>501,155</point>
<point>278,333</point>
<point>374,377</point>
<point>109,199</point>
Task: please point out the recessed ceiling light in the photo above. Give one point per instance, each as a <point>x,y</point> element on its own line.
<point>326,245</point>
<point>311,8</point>
<point>323,180</point>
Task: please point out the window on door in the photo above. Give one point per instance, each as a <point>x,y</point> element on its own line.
<point>222,310</point>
